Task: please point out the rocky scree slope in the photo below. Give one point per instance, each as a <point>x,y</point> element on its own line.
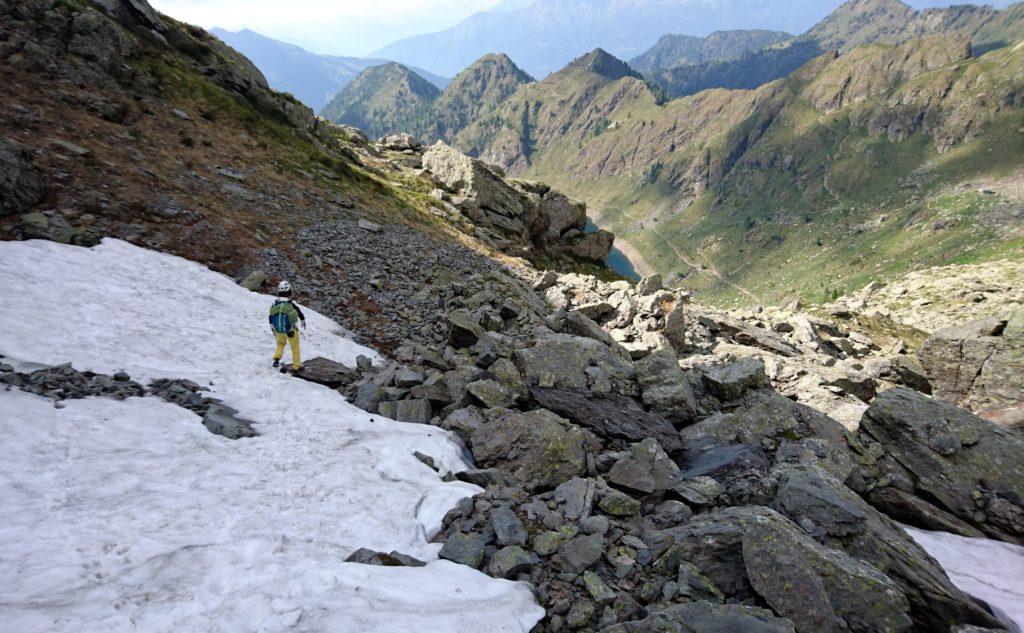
<point>641,466</point>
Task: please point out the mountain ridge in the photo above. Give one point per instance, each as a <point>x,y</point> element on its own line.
<point>313,79</point>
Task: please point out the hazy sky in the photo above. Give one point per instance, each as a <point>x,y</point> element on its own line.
<point>341,27</point>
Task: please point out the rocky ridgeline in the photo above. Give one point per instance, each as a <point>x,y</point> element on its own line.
<point>643,471</point>
<point>518,217</point>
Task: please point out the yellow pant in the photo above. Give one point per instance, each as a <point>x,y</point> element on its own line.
<point>293,340</point>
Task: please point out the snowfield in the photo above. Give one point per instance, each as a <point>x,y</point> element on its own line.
<point>990,570</point>
<point>131,516</point>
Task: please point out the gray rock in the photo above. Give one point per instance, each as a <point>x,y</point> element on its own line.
<point>572,362</point>
<point>418,411</point>
<point>597,588</point>
<point>21,186</point>
<point>664,387</point>
<point>463,422</point>
<point>507,562</point>
<point>491,394</point>
<point>473,179</point>
<point>464,330</point>
<point>705,617</point>
<point>254,280</point>
<point>368,226</point>
<point>965,465</point>
<point>581,325</point>
<point>579,553</point>
<point>594,246</point>
<point>541,449</point>
<point>222,420</point>
<point>977,365</point>
<point>577,496</point>
<point>818,588</point>
<point>485,477</point>
<point>327,372</point>
<point>809,495</point>
<point>649,285</point>
<point>508,529</point>
<point>729,382</point>
<point>406,378</point>
<point>465,548</point>
<point>645,468</point>
<point>610,416</point>
<point>619,504</point>
<point>365,556</point>
<point>699,491</point>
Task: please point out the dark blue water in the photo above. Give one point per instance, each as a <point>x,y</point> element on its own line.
<point>617,260</point>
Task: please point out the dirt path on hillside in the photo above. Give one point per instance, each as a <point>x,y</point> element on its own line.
<point>710,271</point>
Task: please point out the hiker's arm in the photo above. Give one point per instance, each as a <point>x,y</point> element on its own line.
<point>302,317</point>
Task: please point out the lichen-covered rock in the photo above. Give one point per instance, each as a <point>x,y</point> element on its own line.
<point>645,468</point>
<point>977,366</point>
<point>619,504</point>
<point>465,548</point>
<point>541,449</point>
<point>705,617</point>
<point>730,381</point>
<point>610,416</point>
<point>565,361</point>
<point>509,561</point>
<point>21,186</point>
<point>967,466</point>
<point>664,387</point>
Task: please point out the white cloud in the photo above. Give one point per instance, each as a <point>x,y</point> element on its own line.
<point>351,27</point>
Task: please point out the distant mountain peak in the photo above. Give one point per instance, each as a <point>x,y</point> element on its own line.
<point>601,62</point>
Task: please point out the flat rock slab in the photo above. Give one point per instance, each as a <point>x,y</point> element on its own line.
<point>610,416</point>
<point>327,372</point>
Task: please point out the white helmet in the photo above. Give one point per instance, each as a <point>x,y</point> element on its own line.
<point>284,286</point>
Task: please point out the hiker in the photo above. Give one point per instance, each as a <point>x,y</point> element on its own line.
<point>284,316</point>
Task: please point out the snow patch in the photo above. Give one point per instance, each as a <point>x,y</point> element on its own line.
<point>992,571</point>
<point>129,515</point>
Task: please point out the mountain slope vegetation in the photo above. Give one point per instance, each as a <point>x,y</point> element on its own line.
<point>380,98</point>
<point>387,100</point>
<point>687,50</point>
<point>856,165</point>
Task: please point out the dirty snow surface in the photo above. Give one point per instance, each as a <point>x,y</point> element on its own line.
<point>130,516</point>
<point>990,570</point>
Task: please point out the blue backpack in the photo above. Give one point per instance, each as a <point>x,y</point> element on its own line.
<point>283,316</point>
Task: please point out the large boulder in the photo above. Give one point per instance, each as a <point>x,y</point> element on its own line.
<point>678,323</point>
<point>645,469</point>
<point>566,361</point>
<point>977,366</point>
<point>594,246</point>
<point>541,449</point>
<point>473,179</point>
<point>730,381</point>
<point>609,416</point>
<point>841,519</point>
<point>754,551</point>
<point>21,187</point>
<point>664,387</point>
<point>327,372</point>
<point>969,467</point>
<point>763,417</point>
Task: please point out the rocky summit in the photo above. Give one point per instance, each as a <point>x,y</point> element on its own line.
<point>604,454</point>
